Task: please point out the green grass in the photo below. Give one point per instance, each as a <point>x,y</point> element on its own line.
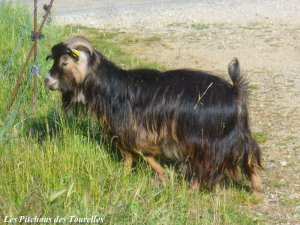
<point>59,165</point>
<point>129,40</point>
<point>200,26</point>
<point>261,136</point>
<point>253,87</point>
<point>152,39</point>
<point>256,26</point>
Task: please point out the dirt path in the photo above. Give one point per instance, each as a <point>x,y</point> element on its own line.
<point>264,35</point>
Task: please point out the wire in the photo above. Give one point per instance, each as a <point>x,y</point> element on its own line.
<point>15,112</point>
<point>13,115</point>
<point>11,20</point>
<point>20,42</point>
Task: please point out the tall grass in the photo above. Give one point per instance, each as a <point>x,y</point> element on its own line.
<point>59,165</point>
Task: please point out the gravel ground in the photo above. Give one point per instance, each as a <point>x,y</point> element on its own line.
<point>263,34</point>
<point>156,14</point>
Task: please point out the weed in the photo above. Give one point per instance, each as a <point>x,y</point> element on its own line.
<point>261,136</point>
<point>152,39</point>
<point>200,26</point>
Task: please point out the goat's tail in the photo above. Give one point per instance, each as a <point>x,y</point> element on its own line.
<point>234,71</point>
<point>240,85</point>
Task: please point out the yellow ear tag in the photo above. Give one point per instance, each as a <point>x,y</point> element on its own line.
<point>75,53</point>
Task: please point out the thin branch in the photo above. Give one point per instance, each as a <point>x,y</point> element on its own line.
<point>200,96</point>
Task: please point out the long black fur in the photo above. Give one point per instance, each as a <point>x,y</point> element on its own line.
<point>193,116</point>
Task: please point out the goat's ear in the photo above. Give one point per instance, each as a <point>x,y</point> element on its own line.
<point>81,44</point>
<point>49,57</point>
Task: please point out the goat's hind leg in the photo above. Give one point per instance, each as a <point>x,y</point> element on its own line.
<point>255,165</point>
<point>256,182</point>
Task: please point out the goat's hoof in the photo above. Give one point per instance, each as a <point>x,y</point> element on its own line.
<point>162,179</point>
<point>194,185</point>
<point>257,195</point>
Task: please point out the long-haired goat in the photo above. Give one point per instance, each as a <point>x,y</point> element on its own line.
<point>190,116</point>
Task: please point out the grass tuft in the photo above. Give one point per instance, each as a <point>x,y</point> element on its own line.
<point>261,136</point>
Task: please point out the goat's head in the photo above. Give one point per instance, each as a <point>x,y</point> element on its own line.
<point>72,62</point>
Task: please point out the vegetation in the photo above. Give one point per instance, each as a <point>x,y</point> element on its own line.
<point>54,165</point>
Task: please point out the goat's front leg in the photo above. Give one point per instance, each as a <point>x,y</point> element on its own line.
<point>128,161</point>
<point>163,176</point>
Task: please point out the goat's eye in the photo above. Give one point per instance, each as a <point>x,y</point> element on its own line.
<point>64,64</point>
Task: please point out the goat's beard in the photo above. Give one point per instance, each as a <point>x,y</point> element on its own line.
<point>72,100</point>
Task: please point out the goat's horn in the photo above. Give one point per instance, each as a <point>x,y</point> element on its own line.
<point>80,43</point>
